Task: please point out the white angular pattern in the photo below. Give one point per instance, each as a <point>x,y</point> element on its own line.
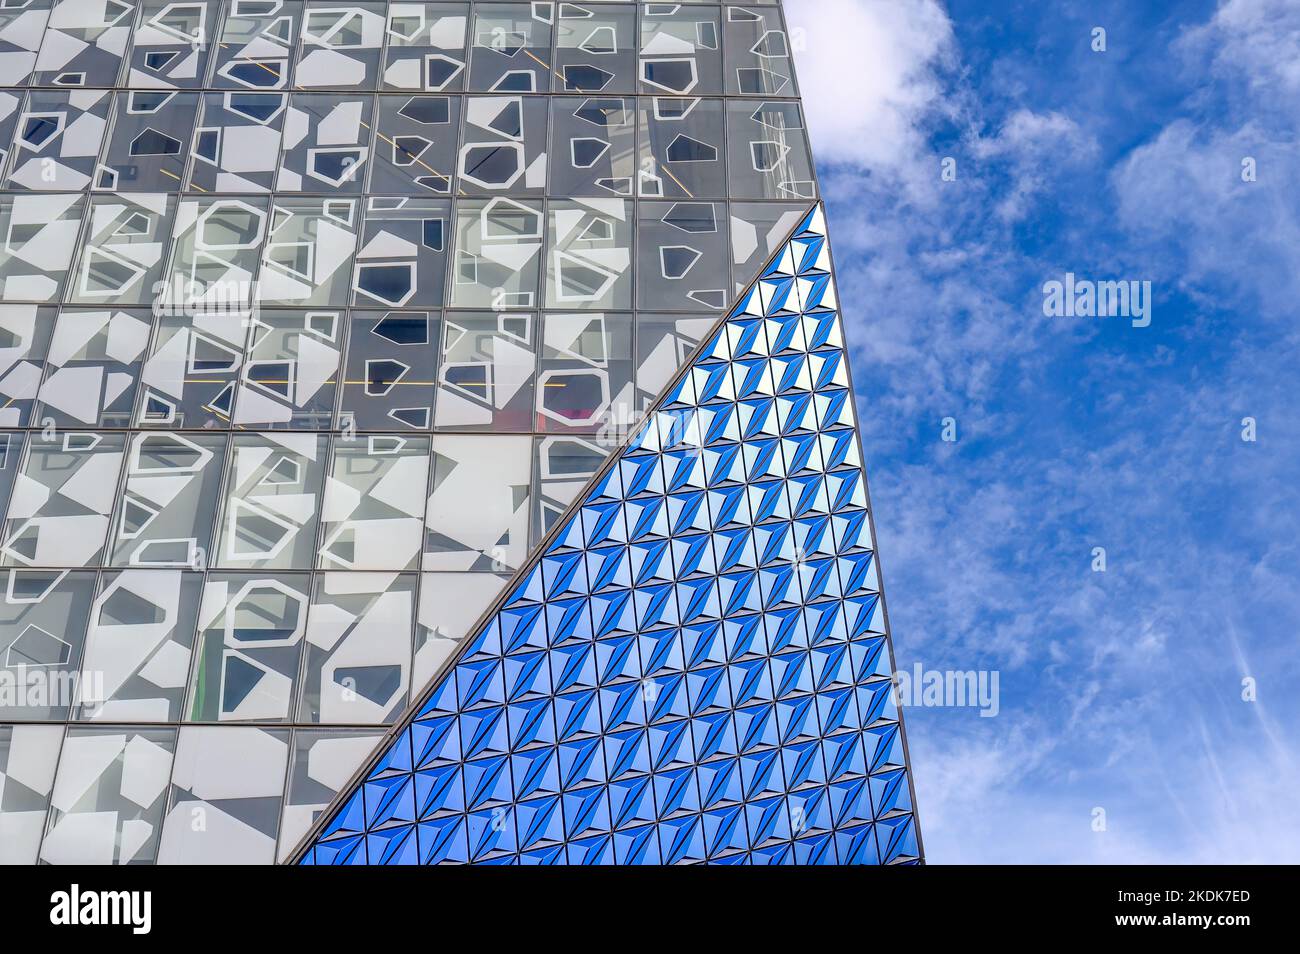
<point>314,318</point>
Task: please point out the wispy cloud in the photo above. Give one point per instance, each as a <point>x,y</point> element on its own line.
<point>1254,40</point>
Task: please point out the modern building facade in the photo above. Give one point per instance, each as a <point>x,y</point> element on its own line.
<point>426,436</point>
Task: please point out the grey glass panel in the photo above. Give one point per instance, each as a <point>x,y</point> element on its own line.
<point>225,796</point>
<point>589,254</point>
<point>340,44</point>
<point>510,47</point>
<point>94,367</point>
<point>166,513</point>
<point>192,372</point>
<point>683,256</point>
<point>68,489</point>
<point>171,45</point>
<point>12,444</point>
<point>236,146</point>
<point>137,659</point>
<point>272,505</point>
<point>584,382</point>
<point>307,258</point>
<point>109,796</point>
<point>40,234</point>
<point>402,262</point>
<point>681,50</point>
<point>487,372</point>
<point>374,504</point>
<point>593,145</point>
<point>768,150</point>
<point>492,536</point>
<point>57,139</point>
<point>682,150</point>
<point>84,42</point>
<point>392,362</point>
<point>23,29</point>
<point>255,46</point>
<point>291,374</point>
<point>25,332</point>
<point>149,142</point>
<point>29,755</point>
<point>503,146</point>
<point>326,143</point>
<point>359,638</point>
<point>758,52</point>
<point>124,249</point>
<point>249,647</point>
<point>498,252</point>
<point>42,632</point>
<point>415,151</point>
<point>426,46</point>
<point>595,49</point>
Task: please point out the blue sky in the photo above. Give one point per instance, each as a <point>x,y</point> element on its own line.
<point>1120,690</point>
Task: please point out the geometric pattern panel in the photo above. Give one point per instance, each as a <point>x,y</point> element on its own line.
<point>695,668</point>
<point>315,318</point>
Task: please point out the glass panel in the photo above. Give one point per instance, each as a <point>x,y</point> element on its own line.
<point>125,241</point>
<point>359,632</point>
<point>225,796</point>
<point>272,501</point>
<point>69,484</point>
<point>510,47</point>
<point>326,143</point>
<point>28,756</point>
<point>57,139</point>
<point>109,796</point>
<point>340,44</point>
<point>137,659</point>
<point>148,145</point>
<point>249,647</point>
<point>392,361</point>
<point>42,632</point>
<point>166,514</point>
<point>487,373</point>
<point>426,46</point>
<point>374,503</point>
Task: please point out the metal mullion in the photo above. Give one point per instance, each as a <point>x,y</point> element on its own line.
<point>49,800</point>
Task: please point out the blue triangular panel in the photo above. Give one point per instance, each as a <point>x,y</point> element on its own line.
<point>696,668</point>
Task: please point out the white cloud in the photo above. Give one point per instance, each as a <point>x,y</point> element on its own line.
<point>1005,799</point>
<point>1259,38</point>
<point>868,77</point>
<point>1027,134</point>
<point>1185,188</point>
<point>1036,146</point>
